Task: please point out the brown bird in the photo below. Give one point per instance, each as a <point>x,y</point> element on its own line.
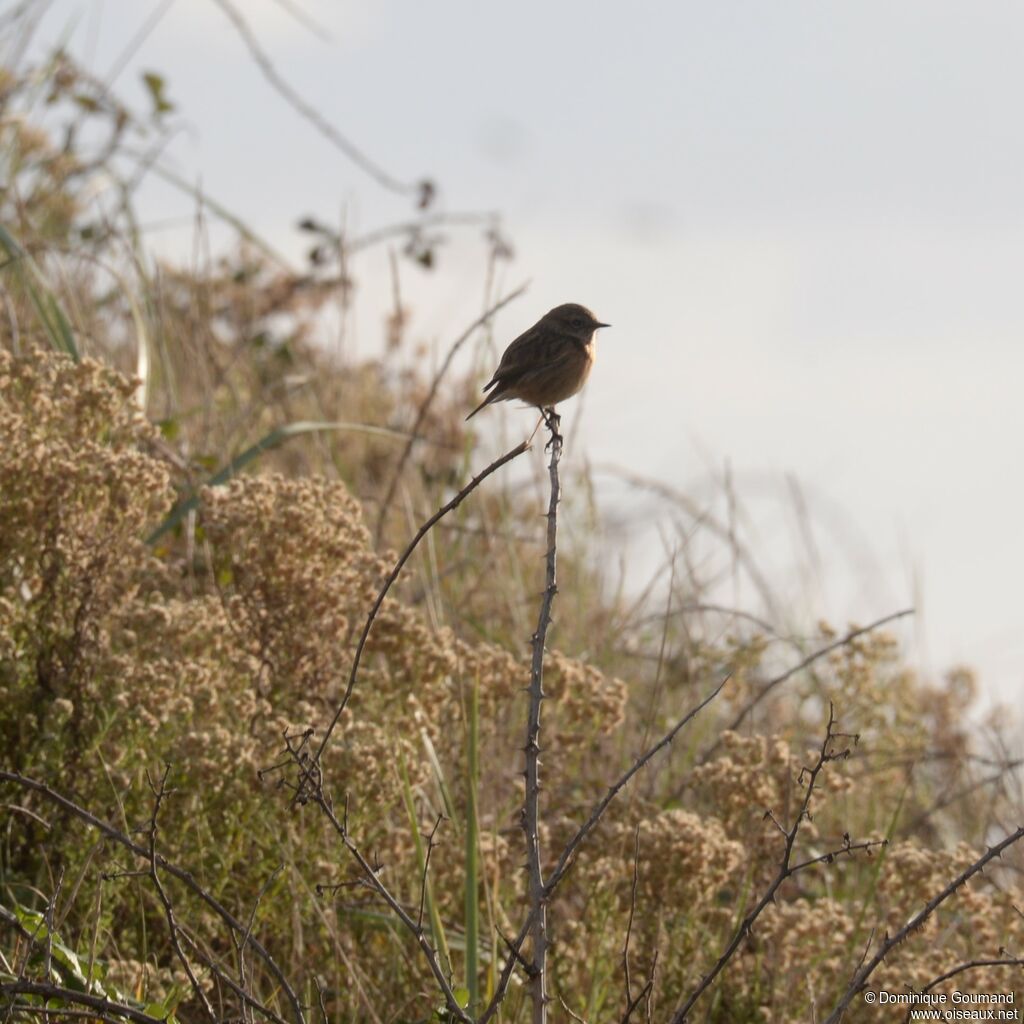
<point>548,363</point>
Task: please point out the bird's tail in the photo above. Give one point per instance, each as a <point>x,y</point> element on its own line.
<point>494,396</point>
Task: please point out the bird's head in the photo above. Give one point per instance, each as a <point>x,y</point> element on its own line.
<point>574,320</point>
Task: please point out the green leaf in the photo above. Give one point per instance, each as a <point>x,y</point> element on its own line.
<point>161,1011</point>
<point>156,85</point>
<point>67,960</point>
<point>264,444</point>
<point>169,428</point>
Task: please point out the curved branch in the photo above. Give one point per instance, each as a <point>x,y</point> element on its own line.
<point>421,415</point>
<point>860,978</point>
<point>312,769</point>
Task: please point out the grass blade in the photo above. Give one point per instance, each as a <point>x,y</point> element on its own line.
<point>269,441</point>
<point>472,867</point>
<point>436,925</point>
<point>48,310</point>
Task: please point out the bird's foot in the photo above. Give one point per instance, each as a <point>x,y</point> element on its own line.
<point>552,421</point>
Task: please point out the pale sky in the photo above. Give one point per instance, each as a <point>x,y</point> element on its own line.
<point>805,221</point>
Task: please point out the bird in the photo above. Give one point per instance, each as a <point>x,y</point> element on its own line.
<point>548,363</point>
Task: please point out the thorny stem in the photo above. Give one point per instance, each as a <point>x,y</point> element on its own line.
<point>101,1005</point>
<point>860,978</point>
<point>566,857</point>
<point>531,804</point>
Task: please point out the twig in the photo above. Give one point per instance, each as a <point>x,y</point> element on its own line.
<point>426,871</point>
<point>650,987</point>
<point>101,1004</point>
<point>799,667</point>
<point>860,978</point>
<point>65,1013</point>
<point>306,20</point>
<point>416,930</point>
<point>410,227</point>
<point>952,798</point>
<point>704,517</point>
<point>970,965</point>
<point>514,950</point>
<point>424,189</point>
<point>51,905</point>
<point>537,891</point>
<point>565,859</point>
<point>320,1000</point>
<point>248,1000</point>
<point>160,791</point>
<point>240,947</point>
<point>421,414</point>
<point>786,868</point>
<point>629,923</point>
<point>310,775</point>
<point>633,1003</point>
<point>613,791</point>
<point>183,876</point>
<point>573,1015</point>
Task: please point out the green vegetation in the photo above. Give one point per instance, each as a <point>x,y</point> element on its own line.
<point>198,506</point>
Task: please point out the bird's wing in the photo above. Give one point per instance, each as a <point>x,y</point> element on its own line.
<point>554,362</point>
<point>534,350</point>
<point>512,359</point>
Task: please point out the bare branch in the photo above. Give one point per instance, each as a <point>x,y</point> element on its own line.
<point>565,860</point>
<point>240,946</point>
<point>248,1000</point>
<point>48,918</point>
<point>309,782</point>
<point>786,868</point>
<point>613,791</point>
<point>860,977</point>
<point>320,1000</point>
<point>970,965</point>
<point>160,791</point>
<point>101,1004</point>
<point>426,870</point>
<point>421,413</point>
<point>799,667</point>
<point>536,889</point>
<point>572,1015</point>
<point>629,924</point>
<point>374,882</point>
<point>423,189</point>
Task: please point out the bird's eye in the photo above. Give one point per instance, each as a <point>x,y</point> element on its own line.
<point>577,322</point>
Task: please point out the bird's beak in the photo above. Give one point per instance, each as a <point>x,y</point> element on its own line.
<point>597,327</point>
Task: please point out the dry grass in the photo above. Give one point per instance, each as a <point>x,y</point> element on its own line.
<point>235,630</point>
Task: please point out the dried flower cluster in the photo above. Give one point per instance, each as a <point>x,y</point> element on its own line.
<point>238,630</point>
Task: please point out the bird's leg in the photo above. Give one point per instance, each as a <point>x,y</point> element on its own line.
<point>536,428</point>
<point>552,421</point>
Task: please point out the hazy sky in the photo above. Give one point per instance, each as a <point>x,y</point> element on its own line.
<point>804,220</point>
